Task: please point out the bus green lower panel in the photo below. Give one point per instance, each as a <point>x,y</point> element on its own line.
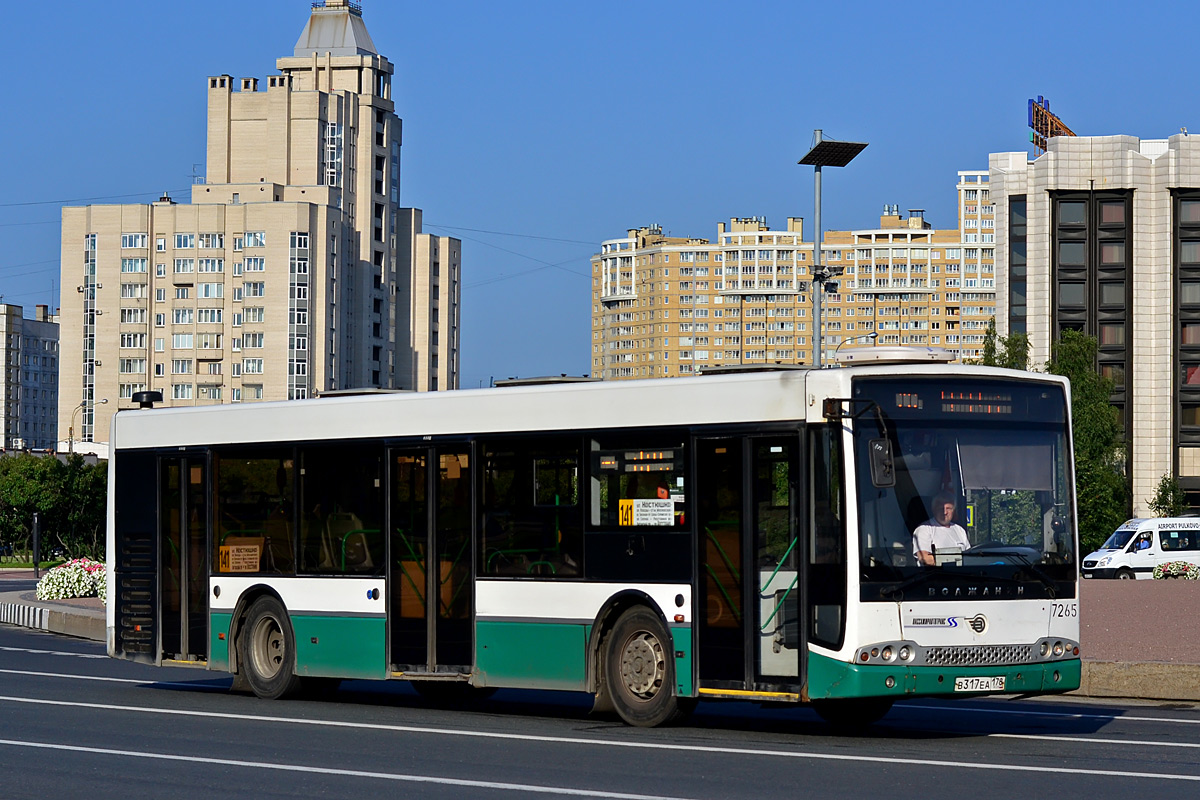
<point>541,655</point>
<point>218,643</point>
<point>682,637</point>
<point>341,647</point>
<point>829,678</point>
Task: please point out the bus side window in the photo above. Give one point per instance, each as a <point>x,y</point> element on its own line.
<point>532,523</point>
<point>254,511</point>
<point>341,509</point>
<point>638,483</point>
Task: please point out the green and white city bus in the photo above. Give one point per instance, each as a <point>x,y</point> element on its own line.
<point>737,536</point>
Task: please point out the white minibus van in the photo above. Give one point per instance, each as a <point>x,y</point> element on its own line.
<point>1138,546</point>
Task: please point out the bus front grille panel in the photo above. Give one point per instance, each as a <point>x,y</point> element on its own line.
<point>986,655</point>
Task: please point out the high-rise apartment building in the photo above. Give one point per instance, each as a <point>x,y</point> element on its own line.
<point>291,271</point>
<point>1101,234</point>
<point>28,379</point>
<point>669,306</point>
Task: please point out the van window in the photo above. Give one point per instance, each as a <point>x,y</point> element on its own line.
<point>1119,539</point>
<point>1179,540</point>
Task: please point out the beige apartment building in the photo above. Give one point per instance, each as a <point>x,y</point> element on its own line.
<point>670,306</point>
<point>292,271</point>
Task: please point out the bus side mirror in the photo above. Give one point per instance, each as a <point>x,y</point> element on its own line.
<point>883,468</point>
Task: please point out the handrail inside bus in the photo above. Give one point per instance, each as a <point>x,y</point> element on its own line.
<point>782,559</point>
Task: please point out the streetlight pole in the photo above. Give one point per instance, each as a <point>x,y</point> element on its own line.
<point>824,153</point>
<point>872,335</point>
<point>71,428</point>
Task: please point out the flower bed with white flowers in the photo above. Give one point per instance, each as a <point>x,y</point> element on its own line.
<point>80,577</point>
<point>1177,569</point>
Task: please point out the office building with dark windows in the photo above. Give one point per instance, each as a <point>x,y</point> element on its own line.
<point>1101,234</point>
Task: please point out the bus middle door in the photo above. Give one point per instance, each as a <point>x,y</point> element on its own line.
<point>749,586</point>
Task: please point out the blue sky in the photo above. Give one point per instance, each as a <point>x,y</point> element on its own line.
<point>568,123</point>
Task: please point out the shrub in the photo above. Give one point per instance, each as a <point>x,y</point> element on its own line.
<point>81,577</point>
<point>1177,569</point>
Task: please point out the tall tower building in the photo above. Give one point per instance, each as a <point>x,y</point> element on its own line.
<point>291,272</point>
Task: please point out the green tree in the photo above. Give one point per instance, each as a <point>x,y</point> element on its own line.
<point>69,495</point>
<point>1103,495</point>
<point>1010,351</point>
<point>1169,498</point>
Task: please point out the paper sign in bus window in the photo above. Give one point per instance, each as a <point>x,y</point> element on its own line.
<point>647,512</point>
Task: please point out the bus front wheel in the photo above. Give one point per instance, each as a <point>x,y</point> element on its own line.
<point>1125,574</point>
<point>639,668</point>
<point>268,650</point>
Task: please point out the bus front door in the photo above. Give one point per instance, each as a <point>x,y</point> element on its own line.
<point>748,637</point>
<point>184,571</point>
<point>430,575</point>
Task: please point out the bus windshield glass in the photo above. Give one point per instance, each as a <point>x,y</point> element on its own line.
<point>963,481</point>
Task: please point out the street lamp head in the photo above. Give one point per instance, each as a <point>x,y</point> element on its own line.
<point>832,153</point>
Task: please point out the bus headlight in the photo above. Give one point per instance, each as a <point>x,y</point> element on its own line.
<point>906,653</point>
<point>1104,561</point>
<point>1045,648</point>
<point>1058,649</point>
<point>887,653</point>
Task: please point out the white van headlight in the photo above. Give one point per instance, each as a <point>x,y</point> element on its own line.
<point>1104,561</point>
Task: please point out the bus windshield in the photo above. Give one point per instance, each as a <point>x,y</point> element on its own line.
<point>965,479</point>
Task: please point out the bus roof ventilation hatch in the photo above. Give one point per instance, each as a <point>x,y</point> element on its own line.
<point>895,355</point>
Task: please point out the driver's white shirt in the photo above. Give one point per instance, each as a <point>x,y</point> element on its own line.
<point>930,534</point>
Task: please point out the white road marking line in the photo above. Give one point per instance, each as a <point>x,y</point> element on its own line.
<point>51,652</point>
<point>640,744</point>
<point>348,773</point>
<point>899,706</point>
<point>1064,714</point>
<point>104,679</point>
<point>1090,740</point>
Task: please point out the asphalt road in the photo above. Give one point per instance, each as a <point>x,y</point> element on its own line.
<point>76,724</point>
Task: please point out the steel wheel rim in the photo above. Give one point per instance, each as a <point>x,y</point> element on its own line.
<point>643,665</point>
<point>267,647</point>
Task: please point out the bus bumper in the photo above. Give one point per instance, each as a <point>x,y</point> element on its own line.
<point>829,678</point>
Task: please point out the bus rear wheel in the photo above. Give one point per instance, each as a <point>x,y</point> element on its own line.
<point>268,650</point>
<point>639,668</point>
<point>852,714</point>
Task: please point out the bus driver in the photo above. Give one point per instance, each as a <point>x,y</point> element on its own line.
<point>938,532</point>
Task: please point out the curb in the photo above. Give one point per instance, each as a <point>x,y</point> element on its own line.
<point>25,616</point>
<point>1143,680</point>
<point>81,624</point>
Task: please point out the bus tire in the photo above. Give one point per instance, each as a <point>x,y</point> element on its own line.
<point>268,650</point>
<point>852,713</point>
<point>1124,574</point>
<point>639,669</point>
